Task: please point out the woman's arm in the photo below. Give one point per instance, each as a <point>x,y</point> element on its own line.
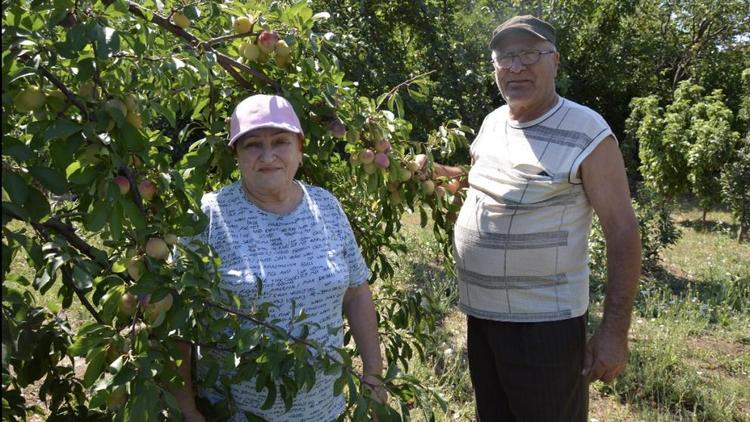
<point>185,396</point>
<point>360,311</point>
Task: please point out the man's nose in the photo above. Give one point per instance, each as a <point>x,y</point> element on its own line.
<point>516,65</point>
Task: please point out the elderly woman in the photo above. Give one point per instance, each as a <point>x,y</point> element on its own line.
<point>295,238</point>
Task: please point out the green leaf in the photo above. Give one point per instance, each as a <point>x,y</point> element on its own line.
<point>271,397</point>
<point>97,216</point>
<point>107,41</point>
<point>133,214</point>
<point>15,186</point>
<point>167,112</point>
<point>9,207</point>
<point>115,222</point>
<point>132,139</point>
<point>338,385</point>
<point>361,410</point>
<point>98,399</point>
<point>61,129</point>
<point>14,148</point>
<point>96,361</point>
<point>81,278</point>
<point>198,108</point>
<point>50,178</point>
<point>36,205</point>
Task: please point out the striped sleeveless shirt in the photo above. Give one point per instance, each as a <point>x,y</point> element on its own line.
<point>521,238</point>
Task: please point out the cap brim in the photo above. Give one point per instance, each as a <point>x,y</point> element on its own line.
<point>496,37</point>
<point>282,126</point>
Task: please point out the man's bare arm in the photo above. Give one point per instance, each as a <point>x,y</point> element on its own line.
<point>606,186</point>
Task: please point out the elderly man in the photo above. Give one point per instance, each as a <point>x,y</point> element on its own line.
<point>540,165</point>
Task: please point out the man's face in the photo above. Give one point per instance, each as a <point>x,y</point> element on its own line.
<point>526,86</point>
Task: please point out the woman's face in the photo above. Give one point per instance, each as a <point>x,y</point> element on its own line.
<point>268,160</point>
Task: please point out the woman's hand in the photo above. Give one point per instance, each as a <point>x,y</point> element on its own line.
<point>376,388</point>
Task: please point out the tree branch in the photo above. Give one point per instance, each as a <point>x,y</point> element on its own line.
<point>67,278</point>
<point>226,60</point>
<point>405,83</point>
<point>221,39</point>
<point>68,232</point>
<point>223,59</point>
<point>57,83</point>
<point>236,75</point>
<point>134,189</point>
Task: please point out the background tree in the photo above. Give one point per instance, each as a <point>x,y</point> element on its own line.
<point>735,184</point>
<point>684,148</point>
<point>711,150</point>
<point>735,178</point>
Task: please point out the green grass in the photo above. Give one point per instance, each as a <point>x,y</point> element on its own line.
<point>21,268</point>
<point>690,340</point>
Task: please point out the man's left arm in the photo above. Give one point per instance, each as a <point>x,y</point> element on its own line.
<point>606,186</point>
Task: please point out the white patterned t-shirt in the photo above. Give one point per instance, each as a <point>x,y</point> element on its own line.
<point>521,238</point>
<point>308,256</point>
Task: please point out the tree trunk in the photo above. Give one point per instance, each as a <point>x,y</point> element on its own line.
<point>704,216</point>
<point>741,232</point>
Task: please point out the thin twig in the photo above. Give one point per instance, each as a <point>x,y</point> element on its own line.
<point>57,83</point>
<point>68,232</point>
<point>136,58</point>
<point>221,39</point>
<point>78,243</point>
<point>405,83</point>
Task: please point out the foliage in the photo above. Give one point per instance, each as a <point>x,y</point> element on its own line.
<point>440,43</point>
<point>611,52</point>
<point>712,148</point>
<point>657,229</point>
<point>659,167</point>
<point>685,146</point>
<point>735,187</point>
<point>113,127</point>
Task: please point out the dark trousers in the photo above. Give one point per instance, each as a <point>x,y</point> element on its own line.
<point>528,372</point>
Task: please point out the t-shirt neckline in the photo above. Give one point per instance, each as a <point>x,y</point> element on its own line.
<point>255,207</point>
<point>521,125</point>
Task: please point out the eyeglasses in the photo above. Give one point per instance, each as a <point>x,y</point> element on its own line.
<point>527,57</point>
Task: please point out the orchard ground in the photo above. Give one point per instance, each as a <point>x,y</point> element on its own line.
<point>690,341</point>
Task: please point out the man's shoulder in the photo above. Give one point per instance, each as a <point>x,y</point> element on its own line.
<point>498,113</point>
<point>576,110</point>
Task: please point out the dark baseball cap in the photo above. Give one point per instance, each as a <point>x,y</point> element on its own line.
<point>527,23</point>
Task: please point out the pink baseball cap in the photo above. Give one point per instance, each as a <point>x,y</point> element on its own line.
<point>263,111</point>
